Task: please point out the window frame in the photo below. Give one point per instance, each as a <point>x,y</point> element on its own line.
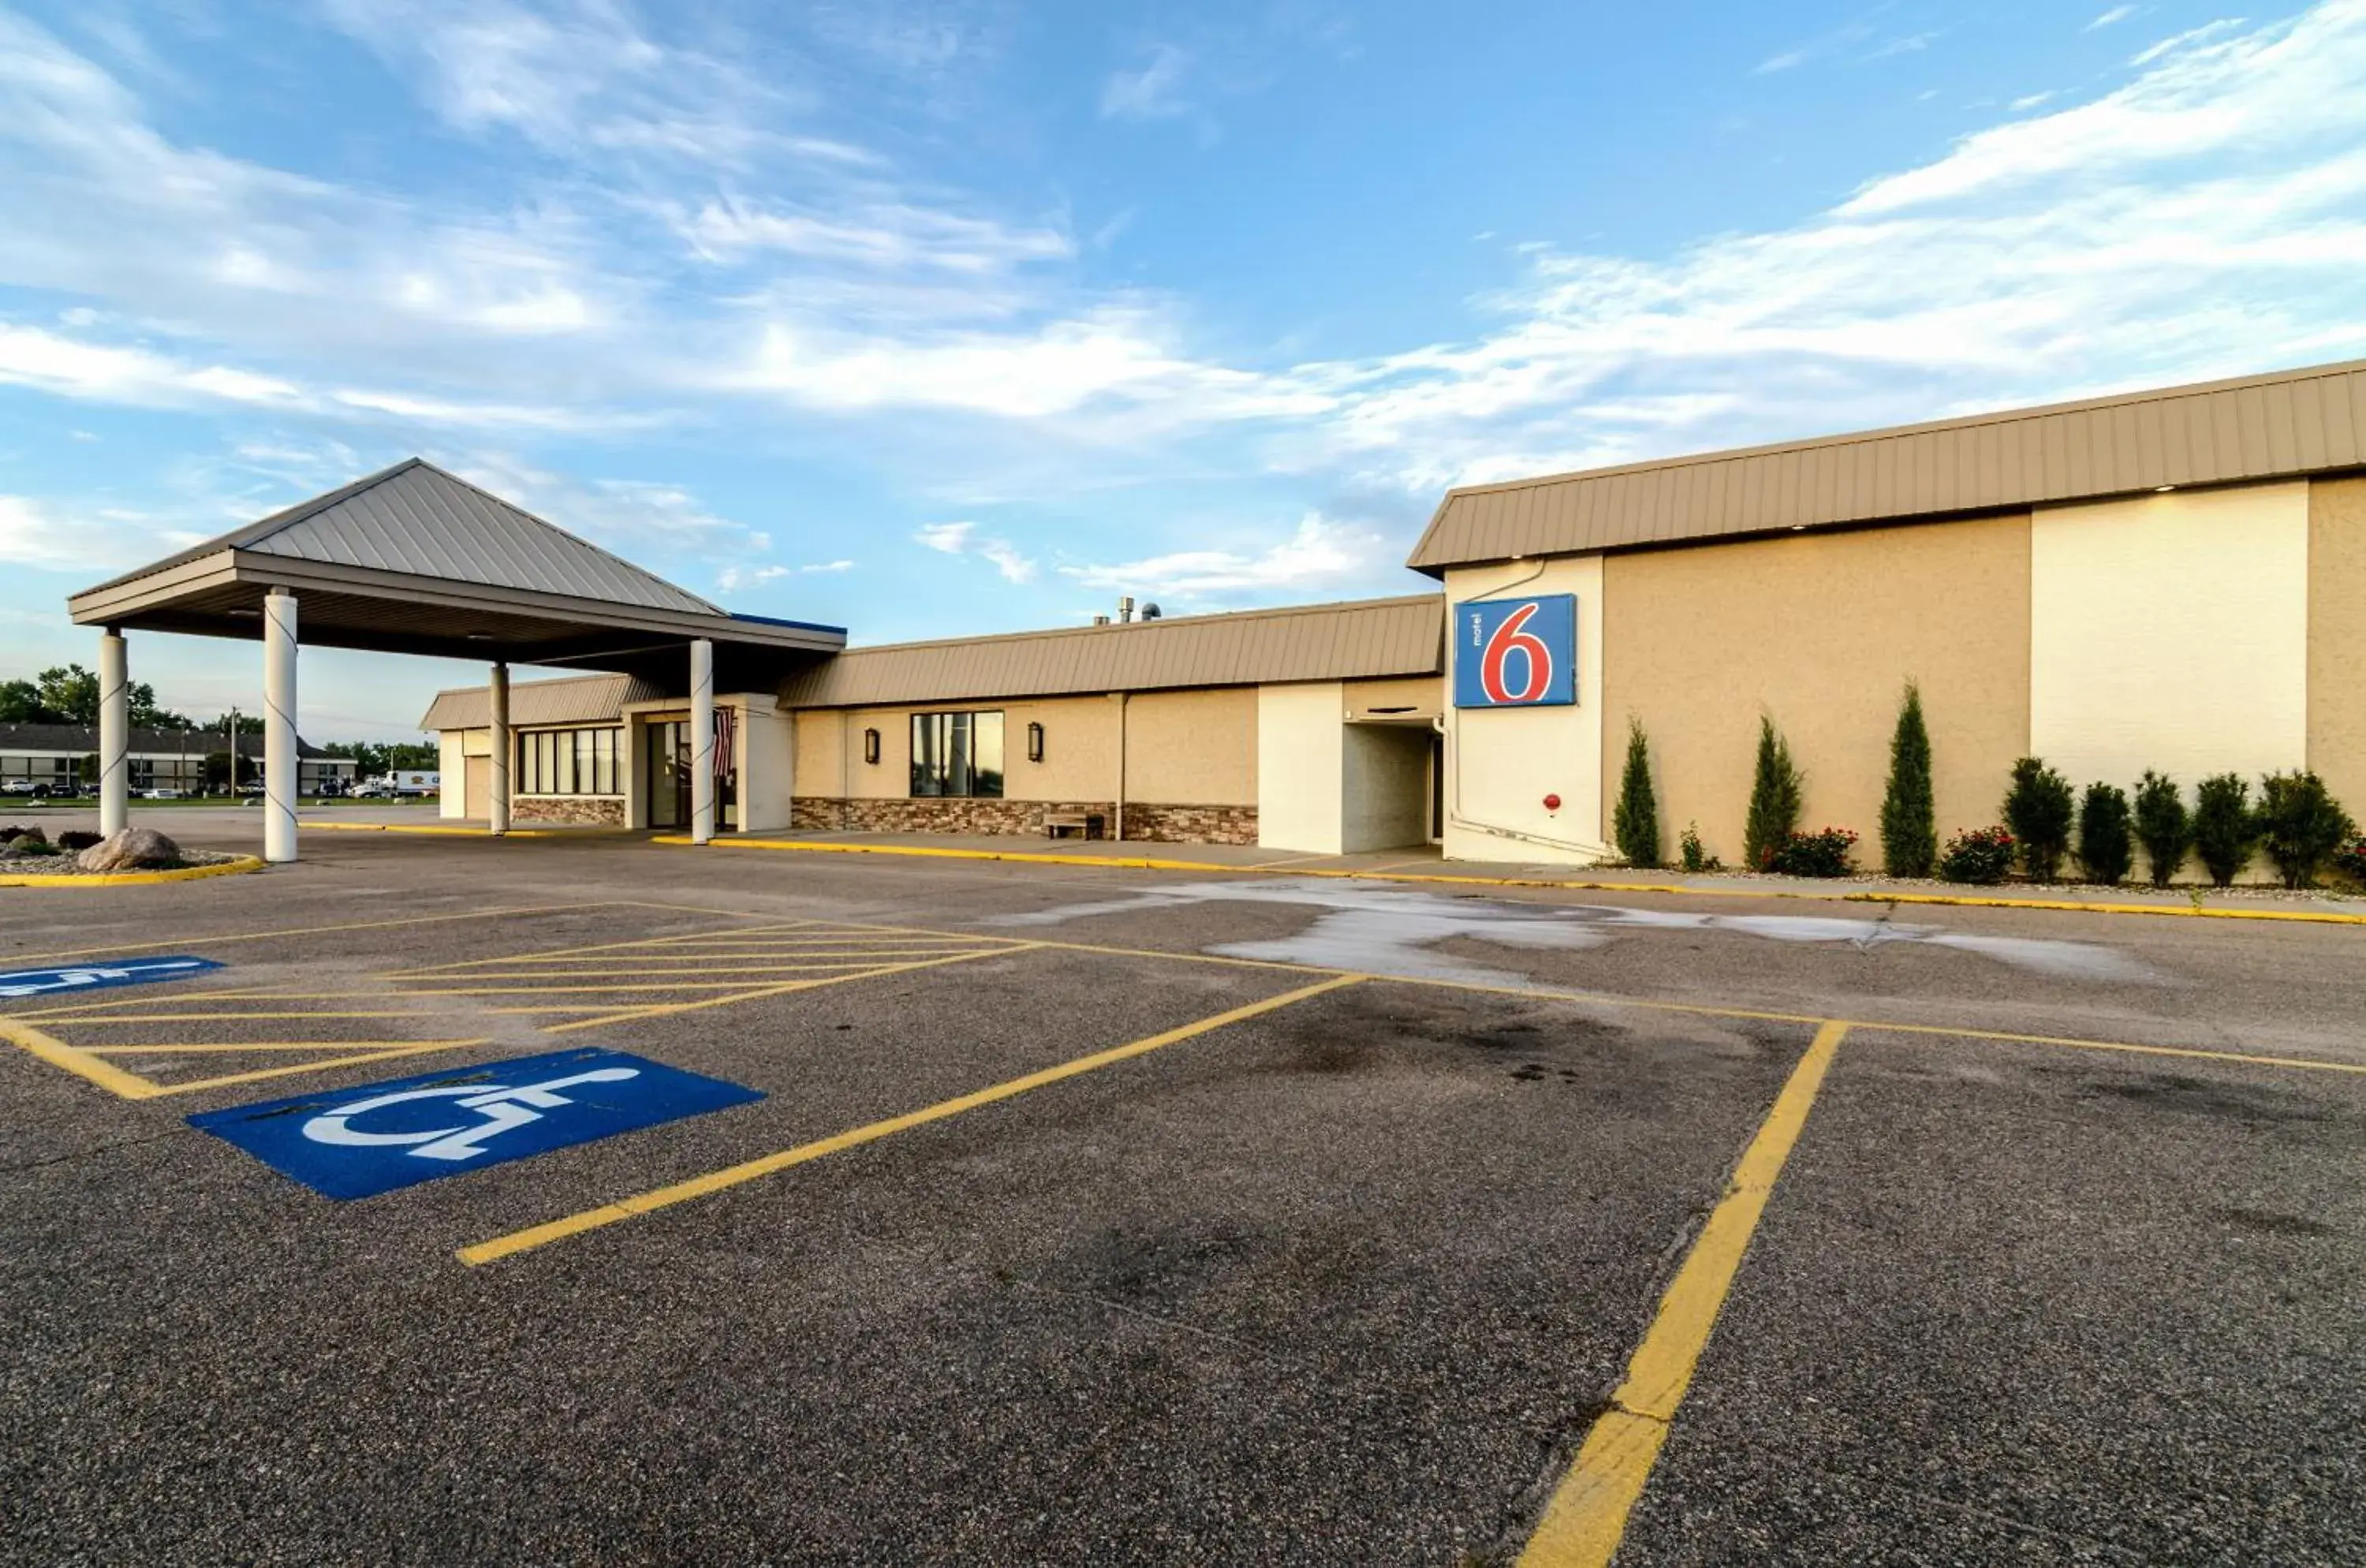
<point>957,754</point>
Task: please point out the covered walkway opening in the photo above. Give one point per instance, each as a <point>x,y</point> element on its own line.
<point>416,560</point>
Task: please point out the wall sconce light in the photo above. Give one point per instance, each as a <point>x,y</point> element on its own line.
<point>1034,742</point>
<point>871,747</point>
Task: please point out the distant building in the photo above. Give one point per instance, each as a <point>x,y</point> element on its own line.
<point>54,755</point>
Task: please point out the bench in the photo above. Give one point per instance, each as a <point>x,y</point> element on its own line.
<point>1086,824</point>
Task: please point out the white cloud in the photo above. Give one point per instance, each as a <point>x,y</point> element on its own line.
<point>1153,91</point>
<point>827,566</point>
<point>731,579</point>
<point>962,538</point>
<point>1013,565</point>
<point>1321,555</point>
<point>2116,14</point>
<point>2030,101</point>
<point>2202,220</point>
<point>31,536</point>
<point>1789,60</point>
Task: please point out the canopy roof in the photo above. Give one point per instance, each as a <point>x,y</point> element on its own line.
<point>417,560</point>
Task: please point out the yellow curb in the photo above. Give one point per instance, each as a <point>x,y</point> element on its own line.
<point>238,867</point>
<point>1146,863</point>
<point>454,832</point>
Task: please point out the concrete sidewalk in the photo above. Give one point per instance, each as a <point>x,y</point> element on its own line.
<point>1424,862</point>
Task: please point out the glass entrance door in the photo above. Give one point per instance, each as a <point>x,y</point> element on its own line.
<point>665,754</point>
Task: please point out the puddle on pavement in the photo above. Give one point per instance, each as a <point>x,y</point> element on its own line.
<point>1386,931</point>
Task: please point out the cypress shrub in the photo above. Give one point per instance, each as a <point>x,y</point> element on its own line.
<point>2038,809</point>
<point>1909,828</point>
<point>2225,830</point>
<point>1775,791</point>
<point>2106,837</point>
<point>2162,826</point>
<point>2301,825</point>
<point>1694,853</point>
<point>1636,820</point>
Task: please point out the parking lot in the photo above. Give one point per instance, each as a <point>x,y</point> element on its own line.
<point>1114,1215</point>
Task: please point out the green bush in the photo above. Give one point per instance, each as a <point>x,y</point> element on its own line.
<point>2349,861</point>
<point>2163,826</point>
<point>2225,829</point>
<point>1636,820</point>
<point>2107,847</point>
<point>2301,826</point>
<point>1982,855</point>
<point>77,839</point>
<point>2038,809</point>
<point>1910,831</point>
<point>1695,857</point>
<point>1775,791</point>
<point>1824,852</point>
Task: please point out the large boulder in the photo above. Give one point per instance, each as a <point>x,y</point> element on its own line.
<point>131,849</point>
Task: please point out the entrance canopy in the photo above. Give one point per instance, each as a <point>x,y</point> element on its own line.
<point>415,560</point>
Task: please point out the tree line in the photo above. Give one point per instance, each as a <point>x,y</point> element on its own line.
<point>68,694</point>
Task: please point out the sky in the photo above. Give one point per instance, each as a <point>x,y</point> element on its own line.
<point>933,317</point>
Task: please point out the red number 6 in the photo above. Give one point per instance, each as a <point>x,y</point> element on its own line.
<point>1508,638</point>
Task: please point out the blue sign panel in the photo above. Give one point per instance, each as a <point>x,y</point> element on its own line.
<point>99,976</point>
<point>1516,652</point>
<point>356,1142</point>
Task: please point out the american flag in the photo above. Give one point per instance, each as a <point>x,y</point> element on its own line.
<point>727,724</point>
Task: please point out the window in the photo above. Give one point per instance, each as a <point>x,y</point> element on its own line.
<point>957,753</point>
<point>569,762</point>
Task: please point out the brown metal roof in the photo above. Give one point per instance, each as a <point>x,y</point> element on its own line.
<point>2261,427</point>
<point>1312,642</point>
<point>577,699</point>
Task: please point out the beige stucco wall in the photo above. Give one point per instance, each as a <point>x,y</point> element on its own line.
<point>766,763</point>
<point>2336,638</point>
<point>1423,697</point>
<point>1079,749</point>
<point>1195,748</point>
<point>451,757</point>
<point>1501,763</point>
<point>1821,630</point>
<point>1301,767</point>
<point>2171,632</point>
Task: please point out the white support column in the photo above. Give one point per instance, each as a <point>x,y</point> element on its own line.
<point>702,741</point>
<point>279,726</point>
<point>114,735</point>
<point>497,797</point>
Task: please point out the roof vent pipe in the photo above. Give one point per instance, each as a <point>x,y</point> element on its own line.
<point>1100,620</point>
<point>1124,607</point>
<point>1151,612</point>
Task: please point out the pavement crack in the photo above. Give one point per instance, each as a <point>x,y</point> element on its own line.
<point>1260,1351</point>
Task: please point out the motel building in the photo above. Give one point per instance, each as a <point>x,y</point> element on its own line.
<point>2171,579</point>
<point>61,758</point>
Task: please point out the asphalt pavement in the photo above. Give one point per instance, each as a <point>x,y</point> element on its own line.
<point>1112,1216</point>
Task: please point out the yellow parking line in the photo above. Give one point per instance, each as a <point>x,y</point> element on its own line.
<point>593,947</point>
<point>215,1047</point>
<point>1581,1523</point>
<point>719,965</point>
<point>58,1054</point>
<point>667,1010</point>
<point>733,1176</point>
<point>27,958</point>
<point>2317,1064</point>
<point>564,980</point>
<point>363,1059</point>
<point>220,1016</point>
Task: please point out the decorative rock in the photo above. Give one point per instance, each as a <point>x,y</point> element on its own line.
<point>131,849</point>
<point>11,835</point>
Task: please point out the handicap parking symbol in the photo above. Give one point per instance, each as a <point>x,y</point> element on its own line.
<point>358,1143</point>
<point>99,976</point>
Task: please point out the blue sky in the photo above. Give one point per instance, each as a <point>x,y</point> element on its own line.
<point>929,316</point>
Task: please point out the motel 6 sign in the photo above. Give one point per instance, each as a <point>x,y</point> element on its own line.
<point>1516,652</point>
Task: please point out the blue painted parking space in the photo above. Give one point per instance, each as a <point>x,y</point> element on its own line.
<point>358,1141</point>
<point>19,983</point>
